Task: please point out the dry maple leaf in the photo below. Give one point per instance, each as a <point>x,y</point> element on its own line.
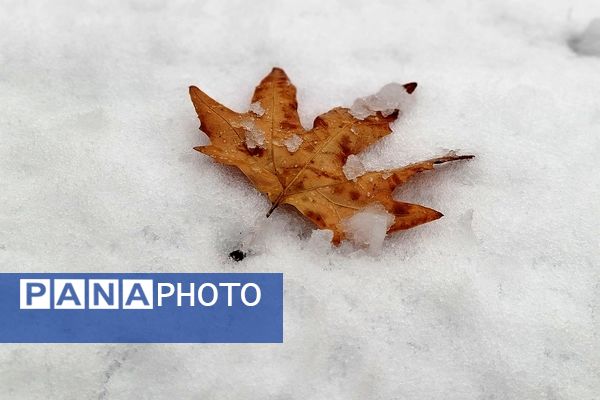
<point>305,168</point>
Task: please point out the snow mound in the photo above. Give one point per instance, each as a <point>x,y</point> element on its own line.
<point>353,167</point>
<point>390,98</point>
<point>367,228</point>
<point>588,43</point>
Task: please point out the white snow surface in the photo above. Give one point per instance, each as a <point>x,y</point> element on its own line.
<point>588,43</point>
<point>499,299</point>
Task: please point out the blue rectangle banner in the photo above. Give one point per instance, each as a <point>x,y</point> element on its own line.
<point>141,308</point>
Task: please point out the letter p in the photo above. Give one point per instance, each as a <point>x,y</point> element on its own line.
<point>34,293</point>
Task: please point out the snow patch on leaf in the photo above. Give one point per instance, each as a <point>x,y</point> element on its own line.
<point>367,228</point>
<point>255,137</point>
<point>390,98</point>
<point>293,143</point>
<point>353,167</point>
<point>256,108</point>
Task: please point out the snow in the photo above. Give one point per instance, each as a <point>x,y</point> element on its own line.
<point>367,228</point>
<point>388,99</point>
<point>256,108</point>
<point>499,299</point>
<point>588,43</point>
<point>293,143</point>
<point>353,168</point>
<point>254,136</point>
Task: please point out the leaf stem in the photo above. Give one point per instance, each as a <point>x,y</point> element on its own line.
<point>275,204</point>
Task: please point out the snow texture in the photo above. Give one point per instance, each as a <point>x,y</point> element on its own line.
<point>256,108</point>
<point>388,99</point>
<point>588,43</point>
<point>254,136</point>
<point>293,143</point>
<point>353,168</point>
<point>499,299</point>
<point>367,228</point>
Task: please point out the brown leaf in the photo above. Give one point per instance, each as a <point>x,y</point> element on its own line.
<point>305,168</point>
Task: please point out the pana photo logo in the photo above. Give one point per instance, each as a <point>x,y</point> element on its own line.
<point>141,308</point>
<point>129,293</point>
